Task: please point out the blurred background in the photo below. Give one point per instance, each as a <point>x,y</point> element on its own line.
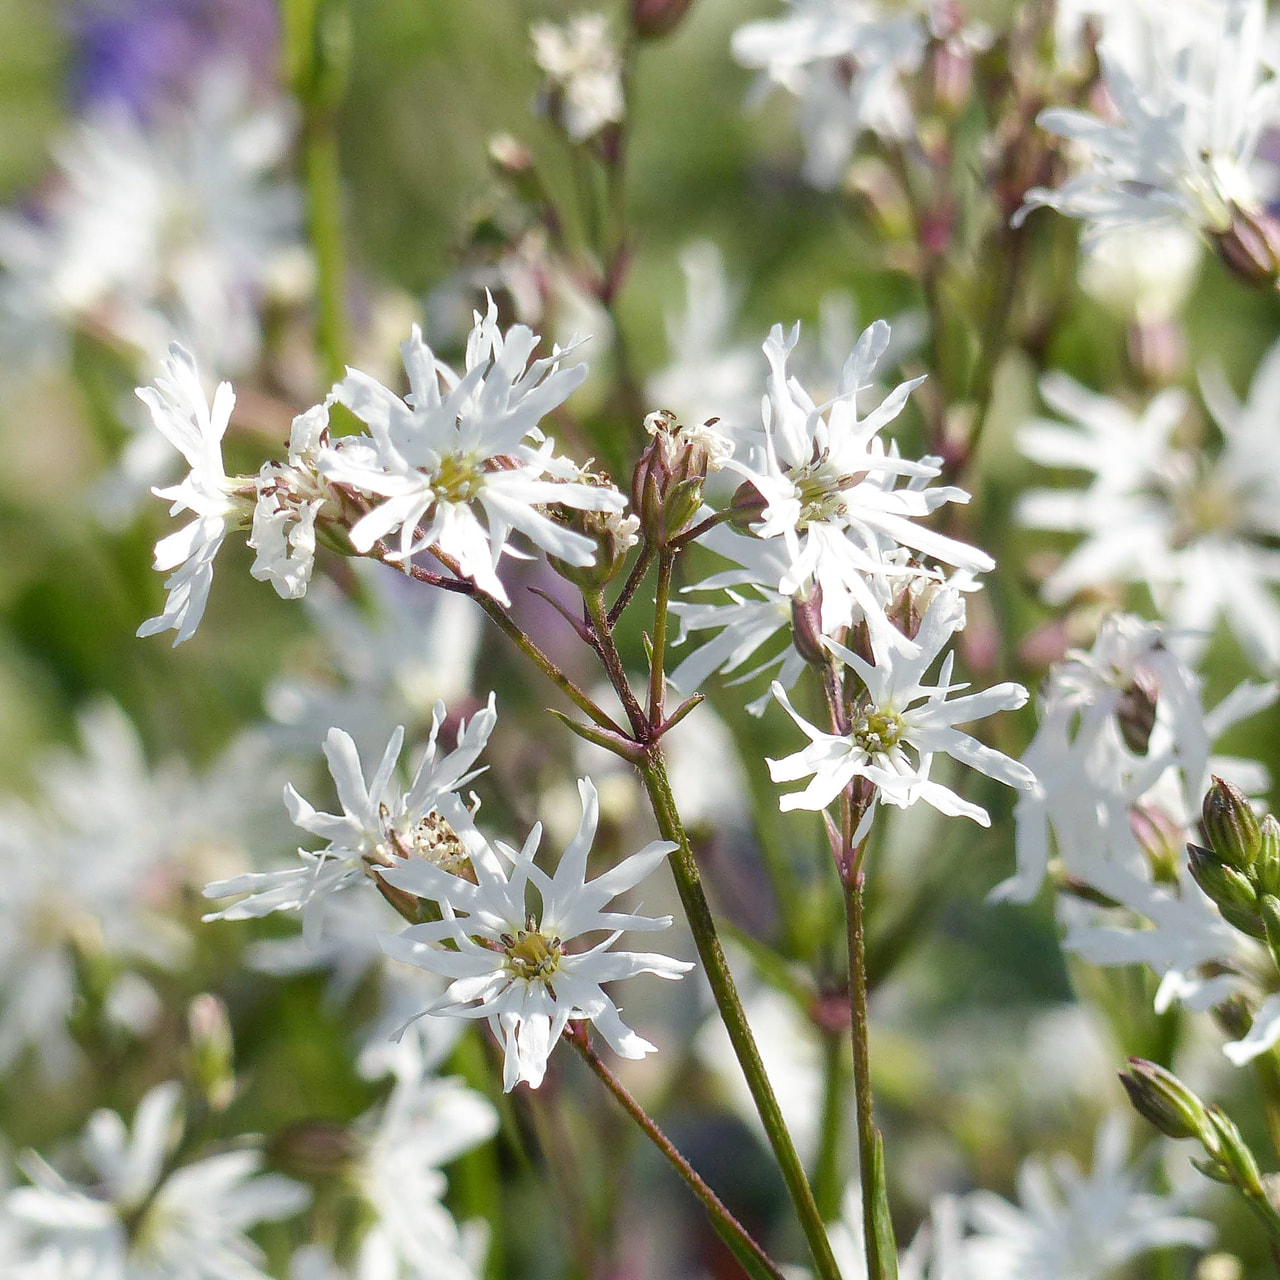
<point>983,1050</point>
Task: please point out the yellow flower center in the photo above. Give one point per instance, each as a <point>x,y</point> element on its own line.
<point>877,731</point>
<point>458,479</point>
<point>531,955</point>
<point>820,491</point>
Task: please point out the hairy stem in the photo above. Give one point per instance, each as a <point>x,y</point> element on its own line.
<point>602,642</point>
<point>684,869</point>
<point>711,1202</point>
<point>634,579</point>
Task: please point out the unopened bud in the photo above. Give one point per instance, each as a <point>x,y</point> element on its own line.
<point>952,76</point>
<point>1266,866</point>
<point>1250,246</point>
<point>746,507</point>
<point>666,486</point>
<point>1136,712</point>
<point>1230,889</point>
<point>1160,1097</point>
<point>314,1149</point>
<point>653,19</point>
<point>211,1050</point>
<point>1230,824</point>
<point>806,627</point>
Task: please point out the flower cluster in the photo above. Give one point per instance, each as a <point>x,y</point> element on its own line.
<point>1123,754</point>
<point>457,468</point>
<point>1199,533</point>
<point>1191,96</point>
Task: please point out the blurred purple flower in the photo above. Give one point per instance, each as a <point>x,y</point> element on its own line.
<point>138,51</point>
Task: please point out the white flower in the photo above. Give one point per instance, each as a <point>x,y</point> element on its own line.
<point>1196,531</point>
<point>844,60</point>
<point>135,1221</point>
<point>195,428</point>
<point>897,712</point>
<point>514,968</point>
<point>290,495</point>
<point>1075,1226</point>
<point>829,487</point>
<point>583,73</point>
<point>380,824</point>
<point>1189,110</point>
<point>434,458</point>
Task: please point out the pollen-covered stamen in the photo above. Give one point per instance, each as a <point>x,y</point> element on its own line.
<point>530,954</point>
<point>876,730</point>
<point>431,837</point>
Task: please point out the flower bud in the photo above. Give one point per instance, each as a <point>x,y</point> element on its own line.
<point>1230,825</point>
<point>1250,246</point>
<point>666,486</point>
<point>1160,1097</point>
<point>314,1149</point>
<point>614,534</point>
<point>653,19</point>
<point>806,627</point>
<point>211,1050</point>
<point>1230,889</point>
<point>746,507</point>
<point>1136,712</point>
<point>1266,866</point>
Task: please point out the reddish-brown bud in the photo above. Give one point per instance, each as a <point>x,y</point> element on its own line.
<point>653,19</point>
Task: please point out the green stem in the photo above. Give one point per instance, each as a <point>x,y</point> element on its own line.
<point>856,932</point>
<point>661,603</point>
<point>324,218</point>
<point>711,1202</point>
<point>827,1180</point>
<point>684,869</point>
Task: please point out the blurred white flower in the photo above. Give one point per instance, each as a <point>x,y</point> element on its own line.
<point>387,655</point>
<point>174,225</point>
<point>1141,273</point>
<point>436,458</point>
<point>1189,110</point>
<point>845,61</point>
<point>584,73</point>
<point>138,1220</point>
<point>899,711</point>
<point>1122,755</point>
<point>1069,1225</point>
<point>1196,529</point>
<point>381,824</point>
<point>95,862</point>
<point>195,428</point>
<point>510,965</point>
<point>425,1123</point>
